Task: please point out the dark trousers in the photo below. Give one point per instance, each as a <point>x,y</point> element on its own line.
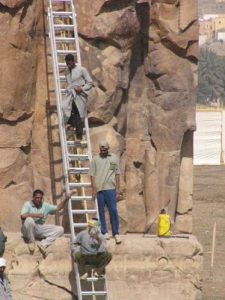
<point>99,261</point>
<point>76,121</point>
<point>108,198</point>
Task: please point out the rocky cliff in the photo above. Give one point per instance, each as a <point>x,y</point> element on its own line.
<point>142,56</point>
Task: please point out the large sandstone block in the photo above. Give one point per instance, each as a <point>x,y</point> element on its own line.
<point>16,134</point>
<point>116,23</point>
<point>13,198</point>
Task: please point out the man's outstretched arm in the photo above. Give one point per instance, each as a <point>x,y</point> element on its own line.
<point>62,204</point>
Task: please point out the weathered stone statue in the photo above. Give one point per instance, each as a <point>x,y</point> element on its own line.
<point>142,56</point>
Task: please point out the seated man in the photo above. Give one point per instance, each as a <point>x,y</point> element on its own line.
<point>89,247</point>
<point>5,291</point>
<point>34,213</point>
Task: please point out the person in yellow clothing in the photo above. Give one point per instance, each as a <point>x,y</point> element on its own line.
<point>164,224</point>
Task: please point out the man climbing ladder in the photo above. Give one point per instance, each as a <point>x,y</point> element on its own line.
<point>74,104</point>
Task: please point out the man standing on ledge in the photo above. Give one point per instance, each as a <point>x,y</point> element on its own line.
<point>34,213</point>
<point>105,181</point>
<point>74,103</point>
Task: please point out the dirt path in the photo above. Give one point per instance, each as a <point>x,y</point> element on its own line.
<point>209,206</point>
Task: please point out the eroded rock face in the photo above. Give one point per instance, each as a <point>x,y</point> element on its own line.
<point>141,268</point>
<point>142,56</point>
<point>153,99</point>
<point>18,21</point>
<point>13,3</point>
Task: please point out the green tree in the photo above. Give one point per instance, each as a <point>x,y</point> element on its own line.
<point>211,77</point>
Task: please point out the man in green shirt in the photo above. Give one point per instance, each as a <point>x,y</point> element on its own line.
<point>105,180</point>
<point>34,214</point>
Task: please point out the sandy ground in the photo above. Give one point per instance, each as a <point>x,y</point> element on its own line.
<point>209,207</point>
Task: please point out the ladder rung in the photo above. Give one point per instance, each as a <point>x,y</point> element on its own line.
<point>62,65</point>
<point>73,143</point>
<point>64,52</point>
<point>79,184</point>
<point>64,40</point>
<point>62,14</point>
<point>82,198</point>
<point>78,170</point>
<point>62,78</point>
<point>91,279</point>
<point>80,225</point>
<point>83,211</point>
<point>63,27</point>
<point>94,293</point>
<point>78,157</point>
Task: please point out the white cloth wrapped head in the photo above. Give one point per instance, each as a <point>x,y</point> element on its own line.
<point>2,262</point>
<point>94,226</point>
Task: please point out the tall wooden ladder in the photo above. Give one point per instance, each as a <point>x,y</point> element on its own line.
<point>75,156</point>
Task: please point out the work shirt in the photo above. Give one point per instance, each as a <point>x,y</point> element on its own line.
<point>86,244</point>
<point>104,171</point>
<point>5,291</point>
<point>46,209</point>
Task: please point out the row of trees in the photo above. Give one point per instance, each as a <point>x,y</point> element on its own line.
<point>211,77</point>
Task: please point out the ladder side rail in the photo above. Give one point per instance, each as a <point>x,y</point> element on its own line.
<point>78,281</point>
<point>90,156</point>
<point>59,97</point>
<point>88,137</point>
<point>106,288</point>
<point>70,213</point>
<point>58,92</point>
<point>86,118</point>
<point>58,101</point>
<point>76,34</point>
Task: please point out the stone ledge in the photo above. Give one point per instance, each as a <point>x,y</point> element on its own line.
<point>142,268</point>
